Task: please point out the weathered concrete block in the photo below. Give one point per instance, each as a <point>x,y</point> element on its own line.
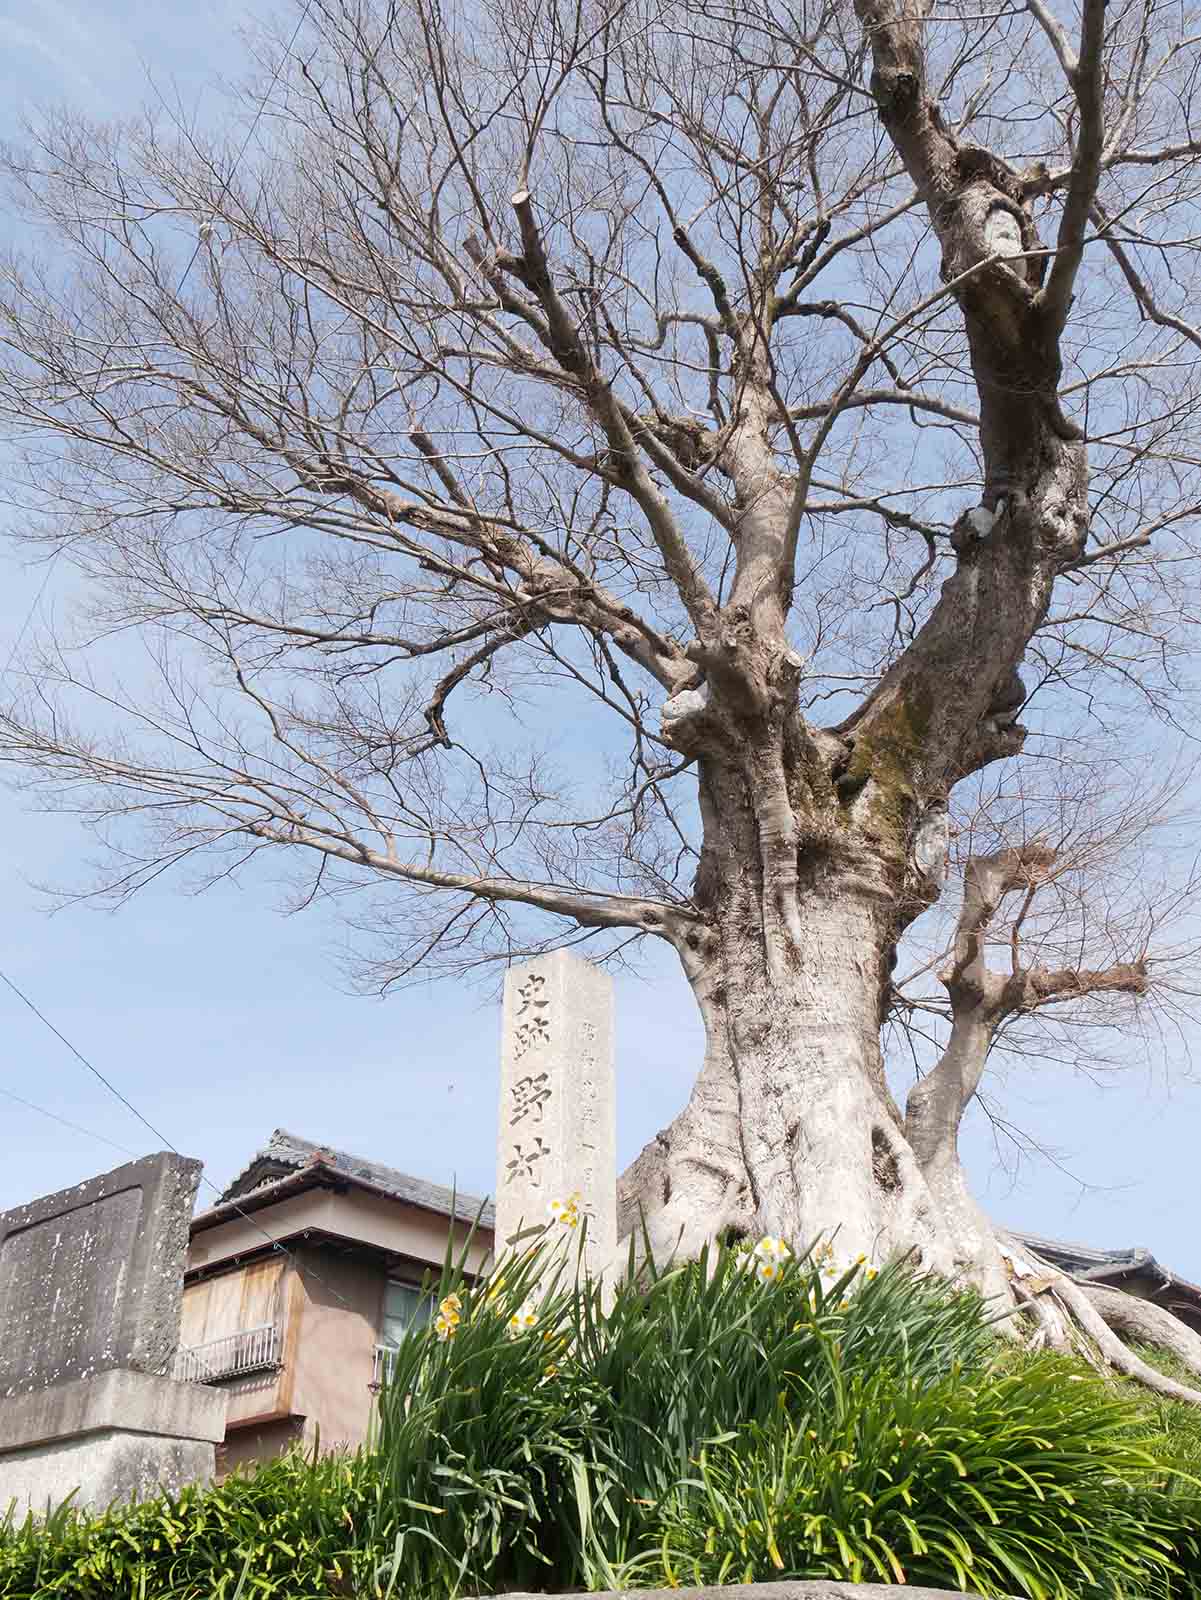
<point>91,1278</point>
<point>118,1436</point>
<point>102,1470</point>
<point>557,1133</point>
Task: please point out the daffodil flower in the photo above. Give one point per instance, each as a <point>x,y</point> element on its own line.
<point>772,1249</point>
<point>521,1321</point>
<point>565,1211</point>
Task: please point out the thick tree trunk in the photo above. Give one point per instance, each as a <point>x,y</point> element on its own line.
<point>933,1116</point>
<point>790,1129</point>
<point>788,1132</point>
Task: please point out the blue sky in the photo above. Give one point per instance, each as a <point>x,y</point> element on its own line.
<point>220,1019</point>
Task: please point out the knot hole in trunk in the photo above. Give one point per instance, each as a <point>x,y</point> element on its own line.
<point>884,1164</point>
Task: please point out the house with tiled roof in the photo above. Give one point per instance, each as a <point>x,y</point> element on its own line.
<point>299,1281</point>
<point>1133,1270</point>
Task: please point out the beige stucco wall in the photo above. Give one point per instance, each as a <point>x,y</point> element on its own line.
<point>353,1214</point>
<point>339,1311</point>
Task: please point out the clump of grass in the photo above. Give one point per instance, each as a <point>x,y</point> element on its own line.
<point>544,1451</point>
<point>297,1526</point>
<point>1027,1482</point>
<point>729,1419</point>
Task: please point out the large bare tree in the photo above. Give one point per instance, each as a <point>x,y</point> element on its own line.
<point>594,469</point>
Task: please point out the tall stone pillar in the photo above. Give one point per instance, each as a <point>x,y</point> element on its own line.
<point>557,1133</point>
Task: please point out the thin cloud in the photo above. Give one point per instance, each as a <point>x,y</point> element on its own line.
<point>57,24</point>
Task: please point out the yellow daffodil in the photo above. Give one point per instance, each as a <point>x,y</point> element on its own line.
<point>444,1328</point>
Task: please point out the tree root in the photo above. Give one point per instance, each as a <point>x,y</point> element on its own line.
<point>1100,1313</point>
<point>1146,1323</point>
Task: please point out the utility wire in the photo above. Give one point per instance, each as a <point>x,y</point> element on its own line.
<point>162,1137</point>
<point>54,1117</point>
<point>224,189</point>
<point>24,998</point>
<point>79,1056</point>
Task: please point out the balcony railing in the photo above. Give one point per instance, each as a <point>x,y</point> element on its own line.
<point>384,1355</point>
<point>250,1350</point>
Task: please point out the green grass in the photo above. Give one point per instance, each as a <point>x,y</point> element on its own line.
<point>298,1527</point>
<point>703,1427</point>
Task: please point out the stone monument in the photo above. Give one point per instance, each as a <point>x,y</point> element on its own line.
<point>91,1286</point>
<point>557,1134</point>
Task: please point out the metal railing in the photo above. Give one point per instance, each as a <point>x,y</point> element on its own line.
<point>250,1350</point>
<point>384,1355</point>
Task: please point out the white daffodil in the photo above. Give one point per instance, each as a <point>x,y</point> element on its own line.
<point>521,1321</point>
<point>772,1249</point>
<point>450,1314</point>
<point>565,1211</point>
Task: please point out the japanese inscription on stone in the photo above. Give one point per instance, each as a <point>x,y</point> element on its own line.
<point>557,1106</point>
<point>530,1095</point>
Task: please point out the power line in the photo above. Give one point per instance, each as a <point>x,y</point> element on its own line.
<point>37,600</point>
<point>24,998</point>
<point>66,1123</point>
<point>162,1137</point>
<point>224,189</point>
<point>79,1056</point>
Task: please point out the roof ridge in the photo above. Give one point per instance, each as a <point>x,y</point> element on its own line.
<point>296,1152</point>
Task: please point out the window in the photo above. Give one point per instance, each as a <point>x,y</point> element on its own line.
<point>405,1306</point>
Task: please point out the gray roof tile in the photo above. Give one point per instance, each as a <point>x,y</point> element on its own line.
<point>287,1152</point>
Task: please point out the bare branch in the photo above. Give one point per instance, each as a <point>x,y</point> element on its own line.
<point>1086,76</point>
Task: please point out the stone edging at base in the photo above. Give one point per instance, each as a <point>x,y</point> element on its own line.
<point>797,1589</point>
